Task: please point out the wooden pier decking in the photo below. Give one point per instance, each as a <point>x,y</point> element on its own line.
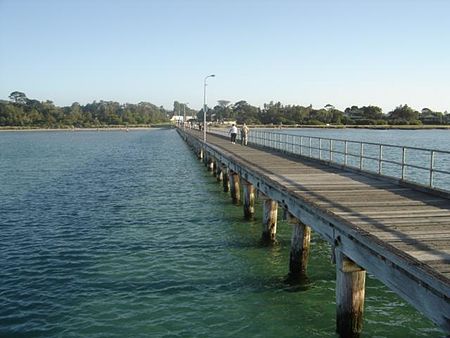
<point>398,234</point>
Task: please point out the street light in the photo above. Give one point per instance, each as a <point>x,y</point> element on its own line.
<point>184,115</point>
<point>204,107</point>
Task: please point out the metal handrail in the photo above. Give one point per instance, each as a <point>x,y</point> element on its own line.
<point>316,147</point>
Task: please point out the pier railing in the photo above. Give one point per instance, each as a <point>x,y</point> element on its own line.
<point>422,166</point>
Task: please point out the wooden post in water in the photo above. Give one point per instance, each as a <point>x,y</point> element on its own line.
<point>350,291</point>
<point>300,242</point>
<point>270,214</point>
<point>214,168</point>
<point>210,164</point>
<point>200,154</point>
<point>248,191</point>
<point>205,158</point>
<point>235,188</point>
<point>219,172</point>
<point>225,180</point>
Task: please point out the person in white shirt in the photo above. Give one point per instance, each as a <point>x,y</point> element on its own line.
<point>233,132</point>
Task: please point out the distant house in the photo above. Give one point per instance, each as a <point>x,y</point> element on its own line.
<point>180,118</point>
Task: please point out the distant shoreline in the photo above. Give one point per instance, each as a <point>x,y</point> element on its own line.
<point>379,127</point>
<point>125,129</point>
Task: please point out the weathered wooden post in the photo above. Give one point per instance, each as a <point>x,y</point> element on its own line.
<point>270,214</point>
<point>200,153</point>
<point>225,179</point>
<point>235,188</point>
<point>300,242</point>
<point>210,164</point>
<point>219,172</point>
<point>350,290</point>
<point>248,191</point>
<point>214,168</point>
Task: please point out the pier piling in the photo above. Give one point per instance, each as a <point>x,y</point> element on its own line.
<point>249,199</point>
<point>300,243</point>
<point>350,292</point>
<point>270,214</point>
<point>225,179</point>
<point>235,188</point>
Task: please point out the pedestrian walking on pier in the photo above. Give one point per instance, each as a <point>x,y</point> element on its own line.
<point>244,134</point>
<point>233,132</point>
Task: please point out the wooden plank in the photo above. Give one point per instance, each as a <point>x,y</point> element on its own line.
<point>381,213</point>
<point>423,255</point>
<point>411,230</point>
<point>399,221</point>
<point>369,203</point>
<point>398,193</point>
<point>402,236</point>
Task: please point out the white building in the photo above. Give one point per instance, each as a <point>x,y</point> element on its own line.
<point>180,118</point>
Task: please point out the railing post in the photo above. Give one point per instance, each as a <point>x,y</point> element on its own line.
<point>403,162</point>
<point>345,153</point>
<point>431,168</point>
<point>331,150</point>
<point>380,160</point>
<point>361,155</point>
<point>301,145</point>
<point>320,148</point>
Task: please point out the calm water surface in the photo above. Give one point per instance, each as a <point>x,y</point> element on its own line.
<point>114,234</point>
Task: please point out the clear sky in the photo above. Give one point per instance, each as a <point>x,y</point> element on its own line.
<point>361,52</point>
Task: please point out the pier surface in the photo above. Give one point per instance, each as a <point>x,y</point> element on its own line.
<point>397,233</point>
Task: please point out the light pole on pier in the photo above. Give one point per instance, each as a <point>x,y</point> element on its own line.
<point>184,115</point>
<point>204,107</point>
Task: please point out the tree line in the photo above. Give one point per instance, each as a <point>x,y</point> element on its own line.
<point>277,113</point>
<point>21,111</point>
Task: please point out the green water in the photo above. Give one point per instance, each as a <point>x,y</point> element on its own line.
<point>114,234</point>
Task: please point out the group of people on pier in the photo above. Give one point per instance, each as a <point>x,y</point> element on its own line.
<point>244,134</point>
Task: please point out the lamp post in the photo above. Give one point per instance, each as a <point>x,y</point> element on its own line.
<point>184,115</point>
<point>204,107</point>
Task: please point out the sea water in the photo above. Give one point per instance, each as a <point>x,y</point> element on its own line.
<point>125,234</point>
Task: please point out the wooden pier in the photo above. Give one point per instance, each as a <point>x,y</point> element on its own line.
<point>397,233</point>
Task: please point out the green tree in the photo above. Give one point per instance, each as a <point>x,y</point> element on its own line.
<point>18,97</point>
<point>403,114</point>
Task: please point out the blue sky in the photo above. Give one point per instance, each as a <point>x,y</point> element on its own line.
<point>365,52</point>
